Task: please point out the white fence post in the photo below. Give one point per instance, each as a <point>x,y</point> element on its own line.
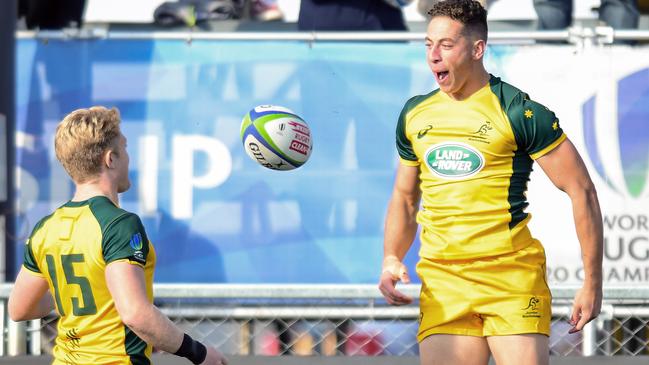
<point>16,341</point>
<point>35,337</point>
<point>589,344</point>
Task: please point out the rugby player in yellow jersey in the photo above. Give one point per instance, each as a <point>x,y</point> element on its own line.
<point>466,152</point>
<point>92,261</point>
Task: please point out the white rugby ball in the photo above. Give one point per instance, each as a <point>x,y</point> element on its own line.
<point>276,137</point>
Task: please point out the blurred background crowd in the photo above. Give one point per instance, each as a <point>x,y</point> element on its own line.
<point>319,15</point>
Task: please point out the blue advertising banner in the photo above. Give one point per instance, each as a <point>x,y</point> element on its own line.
<point>214,215</point>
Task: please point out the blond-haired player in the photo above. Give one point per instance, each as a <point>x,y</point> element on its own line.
<point>92,261</point>
<point>467,150</point>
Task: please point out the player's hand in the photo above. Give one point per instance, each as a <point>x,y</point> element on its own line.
<point>586,307</point>
<point>214,357</point>
<point>393,271</point>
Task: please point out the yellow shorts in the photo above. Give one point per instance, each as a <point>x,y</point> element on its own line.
<point>499,295</point>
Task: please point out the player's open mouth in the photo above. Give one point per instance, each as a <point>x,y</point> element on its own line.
<point>441,76</point>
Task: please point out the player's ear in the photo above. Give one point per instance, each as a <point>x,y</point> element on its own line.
<point>479,47</point>
<point>109,157</point>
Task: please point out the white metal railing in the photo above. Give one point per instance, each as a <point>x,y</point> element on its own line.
<point>328,291</point>
<point>247,304</point>
<point>347,291</point>
<point>577,35</point>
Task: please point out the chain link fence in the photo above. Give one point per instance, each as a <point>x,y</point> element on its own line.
<point>349,320</point>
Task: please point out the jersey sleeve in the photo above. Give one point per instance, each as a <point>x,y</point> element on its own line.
<point>536,128</point>
<point>125,239</point>
<point>404,145</point>
<point>29,261</point>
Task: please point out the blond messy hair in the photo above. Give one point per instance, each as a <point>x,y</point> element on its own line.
<point>82,138</point>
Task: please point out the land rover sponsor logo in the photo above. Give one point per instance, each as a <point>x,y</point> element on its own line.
<point>454,160</point>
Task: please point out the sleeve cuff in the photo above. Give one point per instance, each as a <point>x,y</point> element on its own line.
<point>549,148</point>
<point>34,273</point>
<point>408,162</point>
<point>128,261</point>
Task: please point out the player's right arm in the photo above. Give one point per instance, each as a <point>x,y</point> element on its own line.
<point>400,231</point>
<point>125,248</point>
<point>567,171</point>
<point>127,286</point>
<point>30,297</point>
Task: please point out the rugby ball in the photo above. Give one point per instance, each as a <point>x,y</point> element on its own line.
<point>276,137</point>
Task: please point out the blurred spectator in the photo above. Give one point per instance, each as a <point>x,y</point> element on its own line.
<point>191,13</point>
<point>265,10</point>
<point>51,14</point>
<point>643,6</point>
<point>557,14</point>
<point>347,15</point>
<point>196,12</point>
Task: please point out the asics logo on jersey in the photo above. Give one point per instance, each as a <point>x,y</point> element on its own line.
<point>453,160</point>
<point>424,131</point>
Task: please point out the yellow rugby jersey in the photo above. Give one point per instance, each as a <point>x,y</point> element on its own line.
<point>475,157</point>
<point>70,249</point>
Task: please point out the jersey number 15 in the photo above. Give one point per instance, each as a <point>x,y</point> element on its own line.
<point>67,261</point>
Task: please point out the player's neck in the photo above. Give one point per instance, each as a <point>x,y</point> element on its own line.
<point>473,84</point>
<point>95,188</point>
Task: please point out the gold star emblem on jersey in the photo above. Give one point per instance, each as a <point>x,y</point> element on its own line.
<point>528,113</point>
<point>555,125</point>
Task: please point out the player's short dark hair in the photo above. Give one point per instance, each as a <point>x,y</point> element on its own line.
<point>468,12</point>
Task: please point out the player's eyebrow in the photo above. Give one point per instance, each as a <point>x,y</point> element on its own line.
<point>428,39</point>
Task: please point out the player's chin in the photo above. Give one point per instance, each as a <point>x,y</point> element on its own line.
<point>445,85</point>
<point>124,186</point>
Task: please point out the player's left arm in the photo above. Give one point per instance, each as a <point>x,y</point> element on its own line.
<point>567,171</point>
<point>30,297</point>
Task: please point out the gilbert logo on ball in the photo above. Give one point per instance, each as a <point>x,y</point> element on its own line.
<point>276,137</point>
